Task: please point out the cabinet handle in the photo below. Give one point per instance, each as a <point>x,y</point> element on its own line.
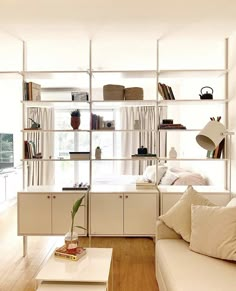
<point>120,196</point>
<point>53,196</point>
<point>48,197</point>
<point>126,196</point>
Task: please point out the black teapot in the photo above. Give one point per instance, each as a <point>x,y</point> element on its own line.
<point>206,95</point>
<point>142,151</point>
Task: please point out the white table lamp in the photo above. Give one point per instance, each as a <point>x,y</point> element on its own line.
<point>211,135</point>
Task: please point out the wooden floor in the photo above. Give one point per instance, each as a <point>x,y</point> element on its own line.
<point>133,258</point>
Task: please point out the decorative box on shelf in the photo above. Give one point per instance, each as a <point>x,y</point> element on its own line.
<point>79,155</point>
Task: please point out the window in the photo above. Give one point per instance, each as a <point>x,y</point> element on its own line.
<point>67,173</point>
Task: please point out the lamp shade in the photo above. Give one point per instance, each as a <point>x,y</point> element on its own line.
<point>211,135</point>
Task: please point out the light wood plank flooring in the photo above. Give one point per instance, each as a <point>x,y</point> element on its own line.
<point>133,258</point>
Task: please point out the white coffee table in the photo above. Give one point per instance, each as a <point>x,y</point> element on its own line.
<point>92,269</point>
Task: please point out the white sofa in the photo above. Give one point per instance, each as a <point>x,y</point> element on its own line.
<point>180,269</point>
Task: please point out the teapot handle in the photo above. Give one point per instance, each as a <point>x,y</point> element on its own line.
<point>207,87</point>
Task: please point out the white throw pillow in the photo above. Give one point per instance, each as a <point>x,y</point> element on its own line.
<point>178,217</point>
<point>169,178</point>
<point>214,231</point>
<point>150,173</point>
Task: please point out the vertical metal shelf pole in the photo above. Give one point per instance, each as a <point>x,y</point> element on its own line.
<point>157,125</point>
<point>227,171</point>
<point>90,141</point>
<point>24,164</point>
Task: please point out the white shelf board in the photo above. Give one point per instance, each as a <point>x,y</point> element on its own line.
<point>128,73</point>
<point>122,130</point>
<point>54,72</point>
<point>124,159</point>
<point>99,104</point>
<point>192,73</point>
<point>191,102</point>
<point>57,104</point>
<point>56,130</point>
<point>193,159</point>
<point>54,160</point>
<point>11,72</point>
<point>179,130</point>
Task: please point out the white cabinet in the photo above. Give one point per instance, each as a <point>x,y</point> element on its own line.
<point>140,213</point>
<point>48,213</point>
<point>107,213</point>
<point>131,213</point>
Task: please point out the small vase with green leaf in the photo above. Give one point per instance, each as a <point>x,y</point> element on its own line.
<point>72,237</point>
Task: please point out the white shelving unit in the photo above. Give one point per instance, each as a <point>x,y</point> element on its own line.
<point>202,110</point>
<point>95,79</point>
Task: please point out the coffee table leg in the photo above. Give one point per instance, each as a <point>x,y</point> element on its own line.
<point>24,246</point>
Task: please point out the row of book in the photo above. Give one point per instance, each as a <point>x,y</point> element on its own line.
<point>96,121</point>
<point>30,150</point>
<point>166,91</point>
<point>32,91</point>
<point>217,152</point>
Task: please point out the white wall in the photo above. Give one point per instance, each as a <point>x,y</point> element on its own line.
<point>11,91</point>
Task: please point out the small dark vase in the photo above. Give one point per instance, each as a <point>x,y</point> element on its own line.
<point>75,122</point>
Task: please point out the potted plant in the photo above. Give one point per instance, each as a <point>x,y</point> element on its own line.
<point>75,118</point>
<point>71,238</point>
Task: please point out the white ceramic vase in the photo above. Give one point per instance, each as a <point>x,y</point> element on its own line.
<point>172,153</point>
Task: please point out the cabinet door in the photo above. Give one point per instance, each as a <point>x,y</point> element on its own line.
<point>107,214</point>
<point>34,213</point>
<point>61,213</point>
<point>140,214</point>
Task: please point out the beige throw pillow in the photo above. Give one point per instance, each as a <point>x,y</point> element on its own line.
<point>179,216</point>
<point>214,231</point>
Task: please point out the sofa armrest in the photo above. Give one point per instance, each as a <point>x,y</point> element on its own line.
<point>164,232</point>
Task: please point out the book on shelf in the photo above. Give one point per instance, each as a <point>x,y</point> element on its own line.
<point>30,150</point>
<point>165,91</point>
<point>79,155</point>
<point>171,94</point>
<point>32,91</point>
<point>160,90</point>
<point>217,152</point>
<point>172,126</point>
<point>63,253</point>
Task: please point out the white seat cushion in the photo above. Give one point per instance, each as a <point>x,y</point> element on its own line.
<point>184,270</point>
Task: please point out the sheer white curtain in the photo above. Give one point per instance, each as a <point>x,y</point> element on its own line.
<point>131,141</point>
<point>42,173</point>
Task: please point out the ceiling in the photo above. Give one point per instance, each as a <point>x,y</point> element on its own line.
<point>30,19</point>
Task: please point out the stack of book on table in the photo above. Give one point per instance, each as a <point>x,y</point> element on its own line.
<point>142,183</point>
<point>63,253</point>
